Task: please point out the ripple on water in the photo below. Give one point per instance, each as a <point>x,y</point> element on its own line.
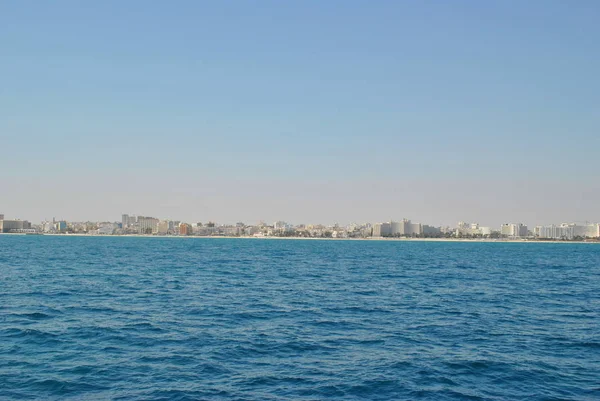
<point>168,319</point>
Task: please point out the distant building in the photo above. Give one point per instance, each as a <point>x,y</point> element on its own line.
<point>376,231</point>
<point>106,228</point>
<point>185,229</point>
<point>416,228</point>
<point>280,225</point>
<point>429,230</point>
<point>60,226</point>
<point>463,228</point>
<point>162,227</point>
<point>513,230</point>
<point>232,231</point>
<point>568,231</point>
<point>7,226</point>
<point>563,231</point>
<point>48,226</point>
<point>485,231</point>
<point>397,228</point>
<point>386,229</point>
<point>146,225</point>
<point>382,229</point>
<point>586,230</point>
<point>467,229</point>
<point>128,221</point>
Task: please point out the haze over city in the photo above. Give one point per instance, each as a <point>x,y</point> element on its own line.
<point>307,111</point>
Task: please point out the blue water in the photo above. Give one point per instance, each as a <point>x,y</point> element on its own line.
<point>187,319</point>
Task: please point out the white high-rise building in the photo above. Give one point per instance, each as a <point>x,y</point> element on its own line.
<point>555,232</point>
<point>147,225</point>
<point>416,228</point>
<point>513,230</point>
<point>568,231</point>
<point>382,229</point>
<point>586,230</point>
<point>397,228</point>
<point>128,220</point>
<point>405,227</point>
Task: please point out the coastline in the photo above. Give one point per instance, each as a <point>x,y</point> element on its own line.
<point>475,240</point>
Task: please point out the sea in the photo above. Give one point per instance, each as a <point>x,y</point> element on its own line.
<point>121,318</point>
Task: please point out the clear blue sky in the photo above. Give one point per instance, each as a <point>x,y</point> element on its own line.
<point>306,111</point>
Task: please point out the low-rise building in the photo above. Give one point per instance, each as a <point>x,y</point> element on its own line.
<point>106,228</point>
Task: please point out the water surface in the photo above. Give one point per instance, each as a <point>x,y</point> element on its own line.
<point>186,319</point>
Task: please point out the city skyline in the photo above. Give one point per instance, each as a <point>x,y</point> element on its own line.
<point>150,225</point>
<point>311,221</point>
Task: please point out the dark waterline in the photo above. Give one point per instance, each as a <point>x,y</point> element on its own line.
<point>166,319</point>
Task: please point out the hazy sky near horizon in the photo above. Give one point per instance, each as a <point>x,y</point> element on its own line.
<point>304,111</point>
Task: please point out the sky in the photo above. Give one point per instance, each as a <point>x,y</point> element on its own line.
<point>303,111</point>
